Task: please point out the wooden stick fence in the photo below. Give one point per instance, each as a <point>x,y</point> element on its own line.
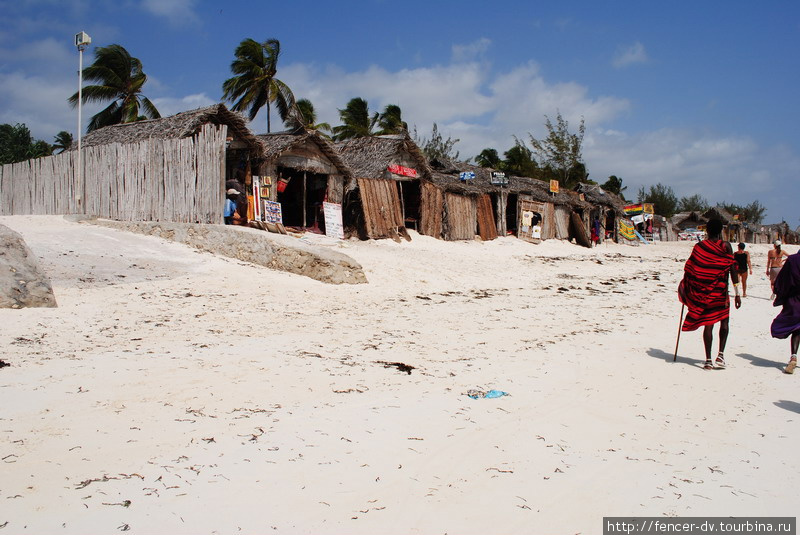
<point>179,180</point>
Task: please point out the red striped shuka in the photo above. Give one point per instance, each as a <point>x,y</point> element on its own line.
<point>704,288</point>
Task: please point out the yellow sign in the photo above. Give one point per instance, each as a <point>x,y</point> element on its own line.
<point>554,186</point>
<point>648,208</point>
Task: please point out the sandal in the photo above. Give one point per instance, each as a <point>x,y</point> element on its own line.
<point>790,367</point>
<point>709,365</point>
<point>720,362</point>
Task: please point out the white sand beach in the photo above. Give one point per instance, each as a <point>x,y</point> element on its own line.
<point>173,391</point>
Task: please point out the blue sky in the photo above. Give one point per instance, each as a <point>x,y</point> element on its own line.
<point>700,96</point>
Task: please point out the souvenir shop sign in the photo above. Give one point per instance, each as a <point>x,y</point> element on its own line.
<point>554,186</point>
<point>333,220</point>
<point>499,179</point>
<point>272,212</point>
<point>466,175</point>
<point>402,171</point>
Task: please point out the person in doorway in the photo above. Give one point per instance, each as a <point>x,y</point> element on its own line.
<point>230,206</point>
<point>595,232</point>
<point>704,290</point>
<point>743,266</point>
<point>774,263</point>
<point>787,294</point>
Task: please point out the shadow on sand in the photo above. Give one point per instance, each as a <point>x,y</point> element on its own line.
<point>792,406</point>
<point>659,354</point>
<point>762,363</point>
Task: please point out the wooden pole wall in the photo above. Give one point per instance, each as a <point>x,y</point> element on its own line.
<point>179,180</point>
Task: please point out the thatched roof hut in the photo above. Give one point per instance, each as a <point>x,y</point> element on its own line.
<point>180,125</point>
<point>501,204</point>
<point>282,145</point>
<point>384,195</point>
<point>370,157</point>
<point>306,171</point>
<point>686,220</point>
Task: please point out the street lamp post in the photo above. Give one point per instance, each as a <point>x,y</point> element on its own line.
<point>82,40</point>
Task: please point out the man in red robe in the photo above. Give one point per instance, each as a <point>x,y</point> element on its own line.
<point>704,290</point>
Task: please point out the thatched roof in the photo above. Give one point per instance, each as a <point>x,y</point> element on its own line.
<point>694,217</point>
<point>596,195</point>
<point>448,179</point>
<point>368,157</point>
<point>277,144</point>
<point>180,125</point>
<point>718,212</point>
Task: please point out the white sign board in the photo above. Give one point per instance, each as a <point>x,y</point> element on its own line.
<point>333,220</point>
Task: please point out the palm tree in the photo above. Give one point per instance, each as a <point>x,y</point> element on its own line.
<point>120,80</point>
<point>255,85</point>
<point>391,121</point>
<point>63,141</point>
<point>357,121</point>
<point>489,158</point>
<point>306,109</point>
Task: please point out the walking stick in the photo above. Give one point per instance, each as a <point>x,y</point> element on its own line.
<point>678,341</point>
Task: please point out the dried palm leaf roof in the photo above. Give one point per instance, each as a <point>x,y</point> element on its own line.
<point>448,179</point>
<point>720,213</point>
<point>279,143</point>
<point>368,157</point>
<point>594,194</point>
<point>180,125</point>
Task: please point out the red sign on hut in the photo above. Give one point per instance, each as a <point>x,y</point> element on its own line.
<point>402,171</point>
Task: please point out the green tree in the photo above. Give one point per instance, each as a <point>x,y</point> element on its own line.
<point>751,213</point>
<point>662,197</point>
<point>437,148</point>
<point>309,115</point>
<point>695,203</point>
<point>391,121</point>
<point>254,85</point>
<point>63,141</point>
<point>17,144</point>
<point>120,79</point>
<point>560,151</point>
<point>489,158</point>
<point>519,161</point>
<point>356,121</point>
<point>614,185</point>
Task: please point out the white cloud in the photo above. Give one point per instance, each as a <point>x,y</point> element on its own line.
<point>472,51</point>
<point>177,12</point>
<point>630,55</point>
<point>41,104</point>
<point>170,106</point>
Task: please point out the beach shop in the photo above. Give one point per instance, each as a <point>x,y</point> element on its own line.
<point>384,195</point>
<point>299,172</point>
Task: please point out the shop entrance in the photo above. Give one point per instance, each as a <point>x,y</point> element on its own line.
<point>302,197</point>
<point>411,198</point>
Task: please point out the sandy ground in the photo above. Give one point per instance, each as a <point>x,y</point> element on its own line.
<point>173,391</point>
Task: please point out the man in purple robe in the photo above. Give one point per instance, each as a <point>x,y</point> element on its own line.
<point>787,294</point>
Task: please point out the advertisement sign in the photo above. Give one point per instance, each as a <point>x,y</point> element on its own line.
<point>499,179</point>
<point>554,186</point>
<point>648,208</point>
<point>402,171</point>
<point>333,220</point>
<point>272,212</point>
<point>256,198</point>
<point>466,175</point>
